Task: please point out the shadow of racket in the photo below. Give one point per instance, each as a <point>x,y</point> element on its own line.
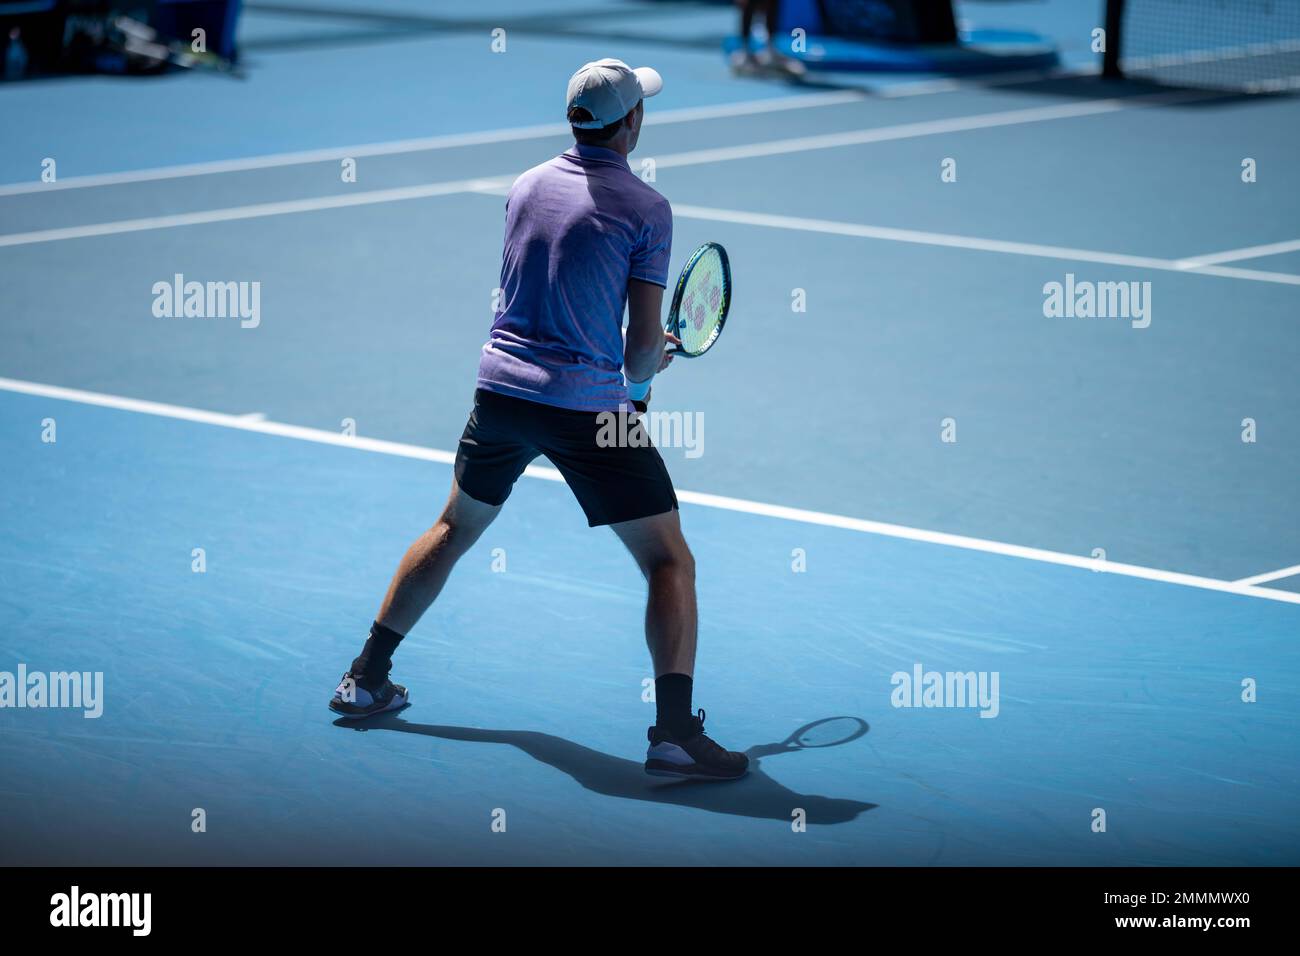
<point>827,732</point>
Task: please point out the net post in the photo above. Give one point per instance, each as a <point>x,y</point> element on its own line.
<point>1114,39</point>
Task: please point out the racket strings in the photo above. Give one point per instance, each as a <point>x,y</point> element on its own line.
<point>701,309</point>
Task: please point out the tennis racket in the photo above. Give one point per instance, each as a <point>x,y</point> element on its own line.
<point>700,301</point>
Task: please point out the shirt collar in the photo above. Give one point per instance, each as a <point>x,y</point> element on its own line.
<point>597,154</point>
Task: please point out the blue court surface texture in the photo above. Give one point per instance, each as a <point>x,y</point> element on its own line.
<point>1103,534</point>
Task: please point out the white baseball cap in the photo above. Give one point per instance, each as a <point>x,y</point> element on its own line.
<point>610,89</point>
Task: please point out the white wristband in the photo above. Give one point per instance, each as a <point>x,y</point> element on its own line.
<point>637,391</point>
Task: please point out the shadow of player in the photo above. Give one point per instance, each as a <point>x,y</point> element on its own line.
<point>755,795</point>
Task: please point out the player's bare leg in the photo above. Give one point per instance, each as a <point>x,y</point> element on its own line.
<point>424,569</point>
<point>671,619</point>
<point>428,561</point>
<point>678,745</point>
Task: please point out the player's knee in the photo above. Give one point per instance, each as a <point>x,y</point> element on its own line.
<point>686,563</point>
<point>453,534</point>
<point>677,564</point>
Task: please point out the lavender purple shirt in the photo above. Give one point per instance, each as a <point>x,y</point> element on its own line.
<point>577,229</point>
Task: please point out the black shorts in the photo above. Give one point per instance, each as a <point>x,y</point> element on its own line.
<point>613,482</point>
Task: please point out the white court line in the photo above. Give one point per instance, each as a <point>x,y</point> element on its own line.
<point>693,157</point>
<point>954,124</point>
<point>891,234</point>
<point>428,143</point>
<point>499,185</point>
<point>399,449</point>
<point>1271,575</point>
<point>514,134</point>
<point>700,156</point>
<point>974,84</point>
<point>539,131</point>
<point>254,211</point>
<point>1233,255</point>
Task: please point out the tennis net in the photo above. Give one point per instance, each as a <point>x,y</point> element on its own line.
<point>1246,46</point>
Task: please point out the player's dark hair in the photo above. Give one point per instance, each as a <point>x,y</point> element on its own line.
<point>593,137</point>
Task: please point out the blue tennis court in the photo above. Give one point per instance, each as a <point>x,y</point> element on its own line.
<point>896,462</point>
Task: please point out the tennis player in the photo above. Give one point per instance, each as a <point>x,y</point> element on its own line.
<point>585,238</point>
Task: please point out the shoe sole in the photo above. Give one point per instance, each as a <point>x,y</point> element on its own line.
<point>388,708</point>
<point>690,775</point>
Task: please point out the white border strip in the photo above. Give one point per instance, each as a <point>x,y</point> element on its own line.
<point>399,449</point>
<point>428,143</point>
<point>1272,575</point>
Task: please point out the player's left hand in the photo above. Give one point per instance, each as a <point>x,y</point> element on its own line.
<point>669,341</point>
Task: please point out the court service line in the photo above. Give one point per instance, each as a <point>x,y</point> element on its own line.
<point>891,234</point>
<point>743,506</point>
<point>1233,255</point>
<point>428,143</point>
<point>693,157</point>
<point>455,140</point>
<point>953,124</point>
<point>253,211</point>
<point>1271,575</point>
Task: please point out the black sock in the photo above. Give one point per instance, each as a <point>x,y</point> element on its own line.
<point>371,668</point>
<point>673,702</point>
